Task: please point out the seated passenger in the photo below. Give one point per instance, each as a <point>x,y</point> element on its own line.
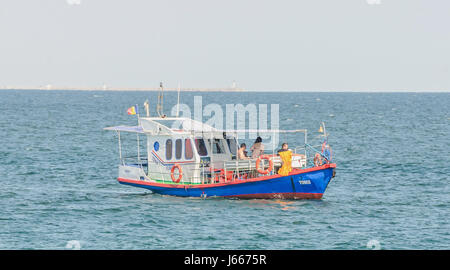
<point>241,152</point>
<point>257,148</point>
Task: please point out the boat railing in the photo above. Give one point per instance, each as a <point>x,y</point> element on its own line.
<point>199,173</point>
<point>135,160</point>
<point>191,173</point>
<point>313,150</point>
<point>196,173</point>
<point>230,171</point>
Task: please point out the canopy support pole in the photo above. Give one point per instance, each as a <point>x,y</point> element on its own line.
<point>120,147</point>
<point>138,150</point>
<point>306,142</point>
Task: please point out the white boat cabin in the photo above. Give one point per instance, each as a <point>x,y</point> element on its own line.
<point>200,153</point>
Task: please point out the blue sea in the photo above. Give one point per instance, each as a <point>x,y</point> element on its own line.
<point>59,167</point>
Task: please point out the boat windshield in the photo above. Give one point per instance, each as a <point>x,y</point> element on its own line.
<point>217,146</point>
<point>232,145</point>
<point>201,147</point>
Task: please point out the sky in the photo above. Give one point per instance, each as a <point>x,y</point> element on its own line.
<point>323,45</point>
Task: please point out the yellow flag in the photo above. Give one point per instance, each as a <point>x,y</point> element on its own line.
<point>132,110</point>
<point>321,129</point>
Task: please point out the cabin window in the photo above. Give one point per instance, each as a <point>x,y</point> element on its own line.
<point>232,145</point>
<point>188,154</point>
<point>201,147</point>
<point>169,149</point>
<point>217,146</point>
<point>178,148</point>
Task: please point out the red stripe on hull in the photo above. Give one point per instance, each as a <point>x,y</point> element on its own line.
<point>282,196</point>
<point>261,178</point>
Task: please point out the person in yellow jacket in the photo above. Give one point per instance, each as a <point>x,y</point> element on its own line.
<point>286,159</point>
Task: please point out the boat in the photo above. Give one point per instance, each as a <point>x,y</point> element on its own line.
<point>198,160</point>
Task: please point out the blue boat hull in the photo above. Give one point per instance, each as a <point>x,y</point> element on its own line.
<point>299,184</point>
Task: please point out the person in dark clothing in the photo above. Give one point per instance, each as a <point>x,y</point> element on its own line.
<point>284,147</point>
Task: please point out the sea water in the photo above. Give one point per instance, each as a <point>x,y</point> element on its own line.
<point>58,171</point>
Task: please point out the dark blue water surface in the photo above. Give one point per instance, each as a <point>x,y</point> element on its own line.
<point>58,173</point>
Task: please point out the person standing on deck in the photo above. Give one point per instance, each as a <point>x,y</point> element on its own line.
<point>257,148</point>
<point>284,147</point>
<point>286,160</point>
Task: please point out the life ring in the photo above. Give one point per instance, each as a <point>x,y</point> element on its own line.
<point>180,173</point>
<point>317,160</point>
<point>261,171</point>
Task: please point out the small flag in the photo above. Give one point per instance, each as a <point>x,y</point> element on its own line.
<point>132,110</point>
<point>321,129</point>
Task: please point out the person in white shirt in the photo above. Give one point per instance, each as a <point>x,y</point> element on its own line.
<point>241,152</point>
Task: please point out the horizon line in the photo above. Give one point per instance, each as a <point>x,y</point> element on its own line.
<point>224,89</point>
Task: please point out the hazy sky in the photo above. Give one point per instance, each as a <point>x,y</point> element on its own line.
<point>262,45</point>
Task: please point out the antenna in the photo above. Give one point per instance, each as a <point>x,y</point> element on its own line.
<point>178,100</point>
<point>325,134</point>
<point>146,107</point>
<point>159,106</point>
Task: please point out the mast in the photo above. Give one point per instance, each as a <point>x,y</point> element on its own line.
<point>137,134</point>
<point>325,132</point>
<point>178,100</point>
<point>159,106</point>
<point>146,105</point>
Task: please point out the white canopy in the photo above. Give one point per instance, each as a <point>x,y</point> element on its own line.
<point>173,125</point>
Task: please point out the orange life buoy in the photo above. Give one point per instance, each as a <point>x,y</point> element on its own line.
<point>261,171</point>
<point>317,160</point>
<point>180,173</point>
<point>224,176</point>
